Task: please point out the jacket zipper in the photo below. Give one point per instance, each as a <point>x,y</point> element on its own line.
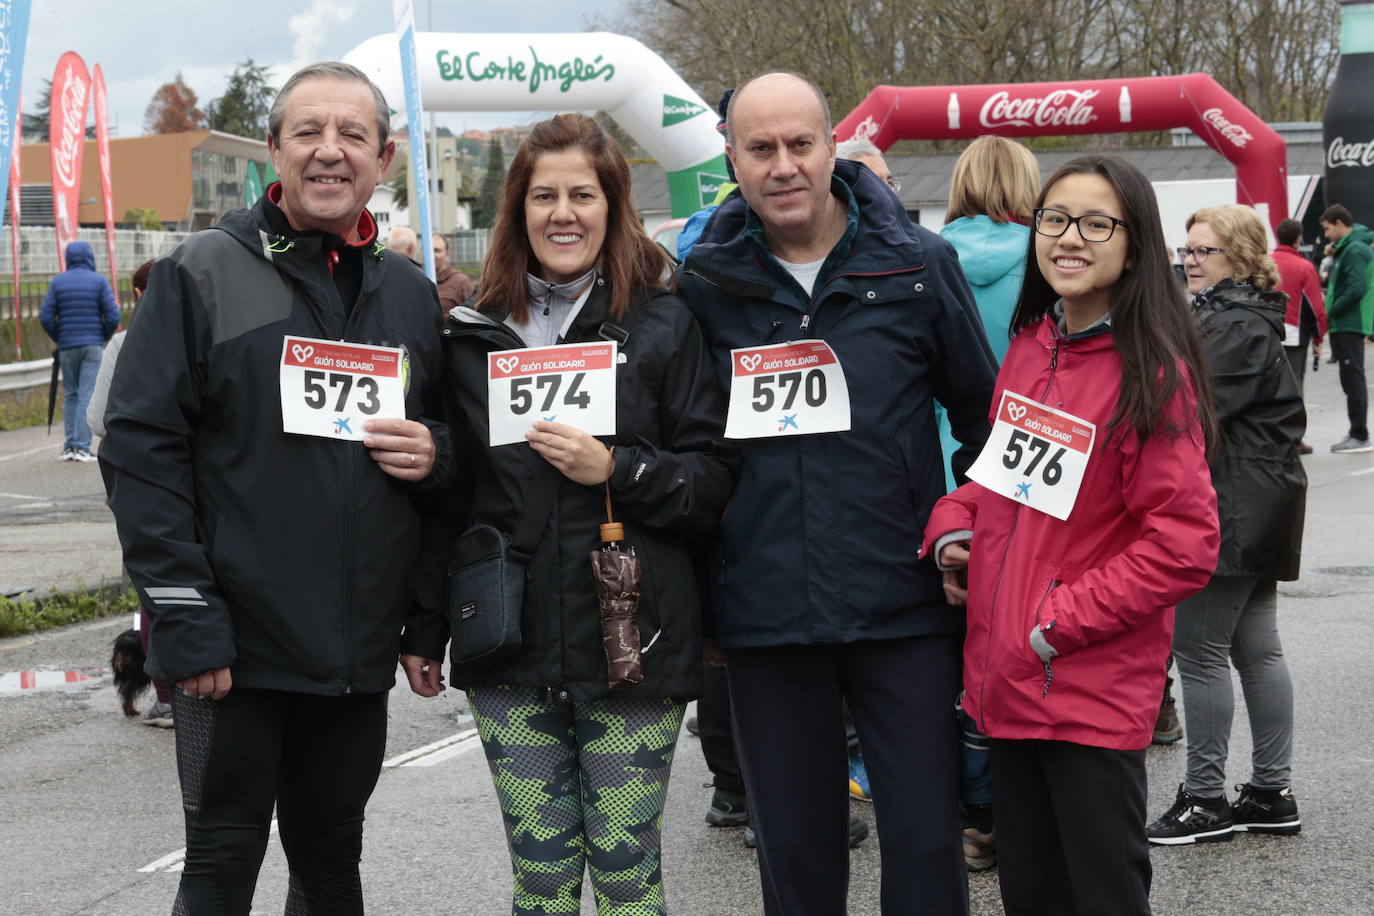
<point>1049,669</point>
<point>1006,548</point>
<point>349,522</point>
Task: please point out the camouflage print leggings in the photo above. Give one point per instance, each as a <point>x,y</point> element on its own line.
<point>580,784</point>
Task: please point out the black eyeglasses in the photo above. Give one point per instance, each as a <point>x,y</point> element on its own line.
<point>1093,227</point>
<point>1199,254</point>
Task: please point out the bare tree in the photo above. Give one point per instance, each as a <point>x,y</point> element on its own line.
<point>1277,56</point>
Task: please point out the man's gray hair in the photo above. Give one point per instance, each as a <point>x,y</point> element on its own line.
<point>329,69</point>
<point>730,107</point>
<point>402,239</point>
<point>853,149</point>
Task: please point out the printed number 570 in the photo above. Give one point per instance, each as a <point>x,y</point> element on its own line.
<point>316,397</point>
<point>1015,454</point>
<point>810,385</point>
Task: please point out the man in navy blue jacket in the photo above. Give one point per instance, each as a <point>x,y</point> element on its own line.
<point>80,314</point>
<point>821,598</point>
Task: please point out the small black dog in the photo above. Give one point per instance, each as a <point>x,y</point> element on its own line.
<point>126,661</point>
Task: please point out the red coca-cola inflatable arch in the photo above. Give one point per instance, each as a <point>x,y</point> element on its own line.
<point>892,113</point>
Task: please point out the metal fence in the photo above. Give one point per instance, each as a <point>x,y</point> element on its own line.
<point>38,261</point>
<point>468,246</point>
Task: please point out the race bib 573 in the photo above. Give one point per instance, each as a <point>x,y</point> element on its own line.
<point>328,387</point>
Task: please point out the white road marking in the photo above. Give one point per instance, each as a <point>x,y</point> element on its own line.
<point>176,861</point>
<point>437,752</point>
<point>427,756</point>
<point>32,451</point>
<point>1362,473</point>
<point>21,496</point>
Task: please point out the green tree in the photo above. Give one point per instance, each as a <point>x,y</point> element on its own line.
<point>484,213</point>
<point>173,109</point>
<point>247,98</point>
<point>143,217</point>
<point>399,182</point>
<point>35,124</point>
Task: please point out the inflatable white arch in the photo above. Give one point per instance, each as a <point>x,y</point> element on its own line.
<point>566,72</point>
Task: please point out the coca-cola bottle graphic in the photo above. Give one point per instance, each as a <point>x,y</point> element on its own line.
<point>1348,125</point>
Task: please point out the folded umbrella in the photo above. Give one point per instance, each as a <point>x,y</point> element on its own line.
<point>615,574</point>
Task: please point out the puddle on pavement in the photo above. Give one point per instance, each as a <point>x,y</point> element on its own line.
<point>33,680</point>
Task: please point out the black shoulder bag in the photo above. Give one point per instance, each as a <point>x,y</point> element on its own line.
<point>486,578</point>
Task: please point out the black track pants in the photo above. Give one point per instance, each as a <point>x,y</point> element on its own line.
<point>316,758</point>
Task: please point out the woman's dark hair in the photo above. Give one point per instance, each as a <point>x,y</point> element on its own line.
<point>1154,329</point>
<point>628,258</point>
<point>140,278</point>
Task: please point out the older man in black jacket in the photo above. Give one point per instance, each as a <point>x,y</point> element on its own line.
<point>264,442</point>
<point>837,324</point>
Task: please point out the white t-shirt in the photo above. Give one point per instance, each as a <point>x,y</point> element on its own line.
<point>804,274</point>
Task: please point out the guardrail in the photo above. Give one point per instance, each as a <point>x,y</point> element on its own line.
<point>17,376</point>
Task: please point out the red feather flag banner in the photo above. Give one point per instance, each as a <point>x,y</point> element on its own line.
<point>71,95</point>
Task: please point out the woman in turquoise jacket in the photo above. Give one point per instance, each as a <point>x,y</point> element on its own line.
<point>991,195</point>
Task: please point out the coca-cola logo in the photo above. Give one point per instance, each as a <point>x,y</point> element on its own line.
<point>1340,153</point>
<point>1061,108</point>
<point>1228,129</point>
<point>73,108</point>
<point>867,129</point>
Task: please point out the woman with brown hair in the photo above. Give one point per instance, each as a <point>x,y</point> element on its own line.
<point>581,765</point>
<point>1261,499</point>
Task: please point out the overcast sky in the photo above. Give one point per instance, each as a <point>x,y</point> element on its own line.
<point>141,44</point>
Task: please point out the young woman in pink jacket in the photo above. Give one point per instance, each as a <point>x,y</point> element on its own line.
<point>1090,515</point>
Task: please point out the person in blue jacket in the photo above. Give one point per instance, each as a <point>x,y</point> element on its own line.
<point>820,596</point>
<point>991,195</point>
<point>80,314</point>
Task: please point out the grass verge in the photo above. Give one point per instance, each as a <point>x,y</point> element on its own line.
<point>23,615</point>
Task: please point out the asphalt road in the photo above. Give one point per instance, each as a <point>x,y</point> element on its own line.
<point>90,817</point>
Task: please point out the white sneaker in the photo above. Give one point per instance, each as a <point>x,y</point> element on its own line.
<point>81,454</point>
<point>1350,445</point>
<point>68,454</point>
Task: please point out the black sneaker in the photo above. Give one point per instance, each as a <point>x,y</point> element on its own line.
<point>1266,811</point>
<point>1192,820</point>
<point>728,809</point>
<point>858,832</point>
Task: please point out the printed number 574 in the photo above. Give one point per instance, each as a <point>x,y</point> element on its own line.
<point>1022,443</point>
<point>545,388</point>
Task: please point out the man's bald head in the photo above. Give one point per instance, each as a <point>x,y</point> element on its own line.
<point>771,83</point>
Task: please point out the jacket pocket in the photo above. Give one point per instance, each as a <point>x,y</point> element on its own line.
<point>1048,666</point>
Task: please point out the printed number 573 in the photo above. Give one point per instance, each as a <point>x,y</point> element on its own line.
<point>317,397</point>
<point>1023,443</point>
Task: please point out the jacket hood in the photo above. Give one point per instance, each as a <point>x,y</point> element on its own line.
<point>80,254</point>
<point>1360,233</point>
<point>988,250</point>
<point>1269,304</point>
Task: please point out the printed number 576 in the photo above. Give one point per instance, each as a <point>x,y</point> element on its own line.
<point>1015,454</point>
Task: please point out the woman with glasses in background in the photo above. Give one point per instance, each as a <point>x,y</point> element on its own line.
<point>1261,500</point>
<point>1070,599</point>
